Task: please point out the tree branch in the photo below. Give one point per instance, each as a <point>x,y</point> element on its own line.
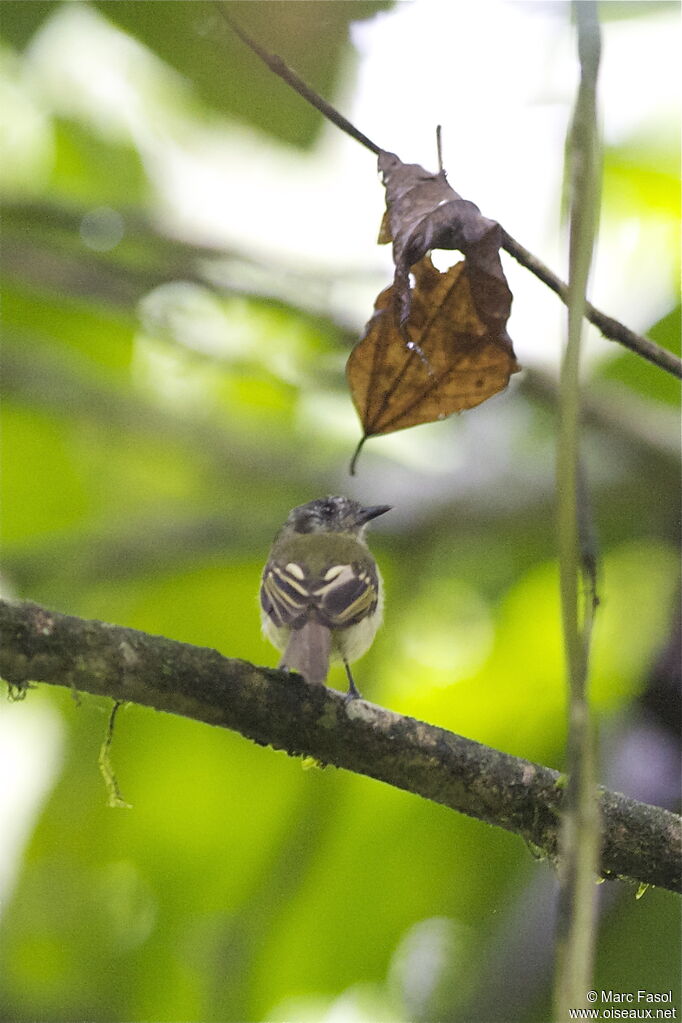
<point>287,74</point>
<point>609,327</point>
<point>280,710</point>
<point>612,329</point>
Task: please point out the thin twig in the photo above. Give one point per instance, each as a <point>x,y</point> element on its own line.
<point>609,327</point>
<point>439,147</point>
<point>277,65</point>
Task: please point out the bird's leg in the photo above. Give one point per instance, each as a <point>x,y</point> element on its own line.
<point>353,693</point>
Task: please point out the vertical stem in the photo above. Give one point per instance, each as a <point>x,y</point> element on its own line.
<point>579,847</point>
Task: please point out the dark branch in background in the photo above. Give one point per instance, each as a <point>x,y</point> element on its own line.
<point>609,327</point>
<point>273,708</point>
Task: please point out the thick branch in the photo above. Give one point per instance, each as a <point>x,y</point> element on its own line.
<point>280,710</point>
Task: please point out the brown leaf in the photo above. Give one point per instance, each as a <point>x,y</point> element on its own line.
<point>457,358</point>
<point>422,213</point>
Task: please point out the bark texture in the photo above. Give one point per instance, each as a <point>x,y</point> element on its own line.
<point>274,708</point>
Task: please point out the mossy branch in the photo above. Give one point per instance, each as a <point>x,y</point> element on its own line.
<point>276,709</point>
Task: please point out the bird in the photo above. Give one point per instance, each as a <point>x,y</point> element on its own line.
<point>321,593</point>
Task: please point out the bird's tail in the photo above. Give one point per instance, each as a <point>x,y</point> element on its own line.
<point>308,652</point>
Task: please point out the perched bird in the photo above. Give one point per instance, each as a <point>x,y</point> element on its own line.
<point>321,593</point>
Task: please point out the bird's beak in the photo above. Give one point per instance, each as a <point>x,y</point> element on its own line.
<point>373,512</point>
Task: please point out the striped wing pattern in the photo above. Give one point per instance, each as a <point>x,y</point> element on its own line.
<point>339,597</point>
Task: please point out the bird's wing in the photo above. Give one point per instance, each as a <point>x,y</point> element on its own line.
<point>346,594</point>
<point>340,596</point>
<point>285,593</point>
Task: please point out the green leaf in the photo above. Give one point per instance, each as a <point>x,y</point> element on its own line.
<point>90,170</point>
<point>642,376</point>
<point>19,20</point>
<point>194,39</point>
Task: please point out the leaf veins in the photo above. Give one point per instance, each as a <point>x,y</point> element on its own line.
<point>467,355</point>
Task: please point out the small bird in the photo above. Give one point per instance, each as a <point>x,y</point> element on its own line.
<point>321,593</point>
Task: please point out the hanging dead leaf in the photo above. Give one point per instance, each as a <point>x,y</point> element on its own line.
<point>466,357</point>
<point>422,213</point>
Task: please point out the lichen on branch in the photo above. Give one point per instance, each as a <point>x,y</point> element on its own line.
<point>274,708</point>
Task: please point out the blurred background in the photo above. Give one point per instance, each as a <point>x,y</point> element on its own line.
<point>189,253</point>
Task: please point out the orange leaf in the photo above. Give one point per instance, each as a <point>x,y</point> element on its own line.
<point>455,361</point>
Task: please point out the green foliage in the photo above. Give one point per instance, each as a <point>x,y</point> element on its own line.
<point>165,403</point>
<point>641,377</point>
<point>88,170</point>
<point>20,20</point>
<point>194,40</point>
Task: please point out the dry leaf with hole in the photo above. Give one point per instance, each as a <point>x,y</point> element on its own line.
<point>422,213</point>
<point>458,357</point>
